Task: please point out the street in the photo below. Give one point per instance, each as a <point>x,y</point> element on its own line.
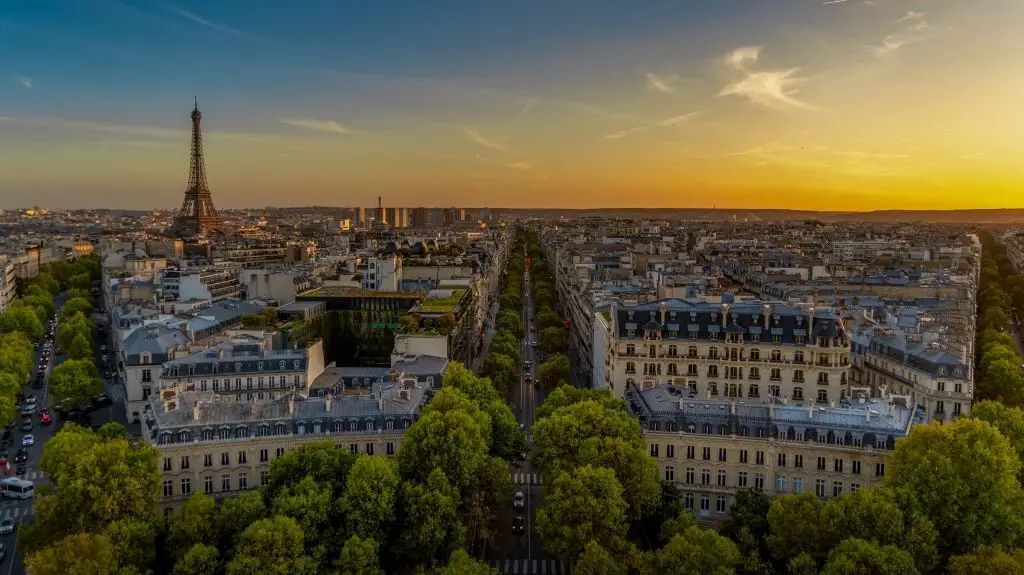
<point>522,553</point>
<point>21,510</point>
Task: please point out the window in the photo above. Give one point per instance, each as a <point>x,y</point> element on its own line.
<point>705,476</point>
<point>798,484</point>
<point>760,458</point>
<point>856,466</point>
<point>689,475</point>
<point>243,481</point>
<point>241,457</point>
<point>690,451</point>
<point>721,477</point>
<point>723,454</point>
<point>264,455</point>
<point>705,504</point>
<point>208,484</point>
<point>798,461</point>
<point>353,447</point>
<point>819,487</point>
<point>279,452</point>
<point>654,450</point>
<point>821,463</point>
<point>167,464</point>
<point>798,394</point>
<point>741,479</point>
<point>854,487</point>
<point>705,453</point>
<point>782,460</point>
<point>837,465</point>
<point>389,448</point>
<point>720,504</point>
<point>823,395</point>
<point>225,459</point>
<point>688,501</point>
<point>264,478</point>
<point>670,450</point>
<point>759,481</point>
<point>743,456</point>
<point>837,488</point>
<point>798,376</point>
<point>168,488</point>
<point>225,482</point>
<point>186,485</point>
<point>670,473</point>
<point>369,449</point>
<point>780,484</point>
<point>879,470</point>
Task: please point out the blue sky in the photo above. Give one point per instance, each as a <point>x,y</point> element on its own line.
<point>555,103</point>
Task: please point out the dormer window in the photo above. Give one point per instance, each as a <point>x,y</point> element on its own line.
<point>259,366</point>
<point>238,366</point>
<point>216,367</point>
<point>296,364</point>
<point>282,364</point>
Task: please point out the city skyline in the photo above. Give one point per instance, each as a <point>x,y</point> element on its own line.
<point>881,104</point>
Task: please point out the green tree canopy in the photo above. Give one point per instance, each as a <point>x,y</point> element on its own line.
<point>200,559</point>
<point>583,505</point>
<point>271,546</point>
<point>432,529</point>
<point>964,475</point>
<point>359,557</point>
<point>77,554</point>
<point>555,371</point>
<point>22,319</point>
<point>371,496</point>
<point>698,551</point>
<point>858,557</point>
<point>320,460</point>
<point>76,305</point>
<point>552,340</point>
<point>74,382</point>
<point>988,560</point>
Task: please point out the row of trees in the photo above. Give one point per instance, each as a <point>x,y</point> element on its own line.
<point>552,339</point>
<point>76,380</point>
<point>504,356</point>
<point>324,511</point>
<point>1000,292</point>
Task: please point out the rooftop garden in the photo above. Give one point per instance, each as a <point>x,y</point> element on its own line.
<point>343,291</point>
<point>441,301</point>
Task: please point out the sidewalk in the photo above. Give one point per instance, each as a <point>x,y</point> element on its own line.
<point>492,316</point>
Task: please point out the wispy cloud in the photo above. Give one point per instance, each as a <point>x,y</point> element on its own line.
<point>493,144</point>
<point>911,15</point>
<point>526,107</point>
<point>769,88</point>
<point>834,2</point>
<point>524,166</point>
<point>659,83</point>
<point>919,31</point>
<point>24,81</point>
<point>665,123</point>
<point>199,19</point>
<point>329,126</point>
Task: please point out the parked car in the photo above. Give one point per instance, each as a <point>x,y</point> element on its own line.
<point>21,456</point>
<point>518,525</point>
<point>26,427</point>
<point>45,418</point>
<point>31,399</point>
<point>101,401</point>
<point>28,440</point>
<point>6,526</point>
<point>29,409</point>
<point>519,500</point>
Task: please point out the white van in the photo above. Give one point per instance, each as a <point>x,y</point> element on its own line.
<point>17,488</point>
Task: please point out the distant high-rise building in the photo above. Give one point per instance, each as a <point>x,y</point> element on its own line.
<point>360,217</point>
<point>452,215</point>
<point>419,217</point>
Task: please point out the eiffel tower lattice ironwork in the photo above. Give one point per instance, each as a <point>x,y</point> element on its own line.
<point>197,215</point>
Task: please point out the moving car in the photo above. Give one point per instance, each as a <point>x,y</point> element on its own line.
<point>45,418</point>
<point>31,399</point>
<point>29,409</point>
<point>21,456</point>
<point>6,526</point>
<point>28,440</point>
<point>519,500</point>
<point>26,426</point>
<point>518,525</point>
<point>528,378</point>
<point>101,401</point>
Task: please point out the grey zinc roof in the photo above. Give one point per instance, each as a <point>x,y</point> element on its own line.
<point>421,365</point>
<point>156,339</point>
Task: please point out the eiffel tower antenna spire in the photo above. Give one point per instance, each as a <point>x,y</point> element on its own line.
<point>197,215</point>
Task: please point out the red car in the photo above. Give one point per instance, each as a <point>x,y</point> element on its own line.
<point>45,418</point>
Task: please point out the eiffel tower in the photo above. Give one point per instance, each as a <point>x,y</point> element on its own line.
<point>197,216</point>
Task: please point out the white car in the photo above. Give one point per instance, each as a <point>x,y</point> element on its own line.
<point>6,526</point>
<point>519,501</point>
<point>28,440</point>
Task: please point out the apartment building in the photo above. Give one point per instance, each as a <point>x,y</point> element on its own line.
<point>213,444</point>
<point>208,284</point>
<point>8,282</point>
<point>713,448</point>
<point>756,351</point>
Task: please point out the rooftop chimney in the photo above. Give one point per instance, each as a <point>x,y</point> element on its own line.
<point>810,324</point>
<point>291,404</point>
<point>725,314</point>
<point>867,414</point>
<point>197,413</point>
<point>767,313</point>
<point>327,401</point>
<point>810,411</point>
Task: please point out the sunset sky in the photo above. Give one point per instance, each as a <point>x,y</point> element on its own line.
<point>841,105</point>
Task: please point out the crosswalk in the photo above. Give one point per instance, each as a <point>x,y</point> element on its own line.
<point>17,510</point>
<point>531,566</point>
<point>116,392</point>
<point>526,478</point>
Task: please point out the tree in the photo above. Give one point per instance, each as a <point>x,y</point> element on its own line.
<point>858,557</point>
<point>194,523</point>
<point>81,347</point>
<point>73,382</point>
<point>201,559</point>
<point>965,477</point>
<point>238,513</point>
<point>75,305</point>
<point>552,340</point>
<point>460,563</point>
<point>452,434</point>
<point>359,557</point>
<point>560,436</point>
<point>677,525</point>
<point>511,322</point>
<point>45,282</point>
<point>795,526</point>
<point>1003,381</point>
<point>698,551</point>
<point>320,460</point>
<point>555,371</point>
<point>95,482</point>
<point>42,304</point>
<point>431,528</point>
<point>635,470</point>
<point>311,504</point>
<point>567,395</point>
<point>134,544</point>
<point>988,560</point>
<point>23,320</point>
<point>370,496</point>
<point>1008,420</point>
<point>583,505</point>
<point>78,292</point>
<point>750,512</point>
<point>547,318</point>
<point>271,547</point>
<point>595,560</point>
<point>79,281</point>
<point>502,370</point>
<point>71,326</point>
<point>78,554</point>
